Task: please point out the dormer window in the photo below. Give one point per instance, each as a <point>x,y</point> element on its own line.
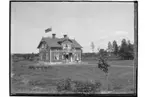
<point>66,46</point>
<point>69,46</point>
<point>43,45</point>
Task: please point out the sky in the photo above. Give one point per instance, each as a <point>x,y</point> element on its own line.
<point>86,22</point>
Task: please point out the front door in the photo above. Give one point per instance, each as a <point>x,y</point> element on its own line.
<point>67,57</point>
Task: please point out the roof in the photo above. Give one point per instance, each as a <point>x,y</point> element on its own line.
<point>55,42</point>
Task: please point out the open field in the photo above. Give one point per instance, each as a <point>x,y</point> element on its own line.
<point>25,80</point>
<point>114,62</point>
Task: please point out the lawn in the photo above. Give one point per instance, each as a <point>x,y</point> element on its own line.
<point>27,80</point>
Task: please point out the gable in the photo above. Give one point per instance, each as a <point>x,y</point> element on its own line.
<point>66,42</point>
<point>66,45</point>
<point>43,44</point>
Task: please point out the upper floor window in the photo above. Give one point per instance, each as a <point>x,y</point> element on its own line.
<point>69,46</point>
<point>66,46</point>
<point>42,46</point>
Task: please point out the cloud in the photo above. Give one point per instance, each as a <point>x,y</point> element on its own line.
<point>121,33</point>
<point>103,37</point>
<point>117,33</point>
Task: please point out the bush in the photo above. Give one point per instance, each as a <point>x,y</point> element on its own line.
<point>64,85</point>
<point>40,67</point>
<point>87,86</point>
<point>78,86</point>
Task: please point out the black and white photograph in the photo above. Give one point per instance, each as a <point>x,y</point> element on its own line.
<point>73,48</point>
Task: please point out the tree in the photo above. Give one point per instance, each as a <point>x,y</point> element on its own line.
<point>115,47</point>
<point>92,46</point>
<point>130,50</point>
<point>126,50</point>
<point>103,65</point>
<point>130,46</point>
<point>123,49</point>
<point>103,53</point>
<point>110,47</point>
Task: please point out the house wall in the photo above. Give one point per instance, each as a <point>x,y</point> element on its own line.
<point>56,52</point>
<point>44,56</point>
<point>79,52</point>
<point>44,53</point>
<point>60,53</point>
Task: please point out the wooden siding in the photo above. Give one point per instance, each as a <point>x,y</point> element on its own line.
<point>44,53</point>
<point>55,54</point>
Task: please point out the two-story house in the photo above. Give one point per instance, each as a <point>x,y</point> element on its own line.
<point>53,49</point>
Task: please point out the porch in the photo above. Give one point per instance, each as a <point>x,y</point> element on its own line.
<point>63,56</point>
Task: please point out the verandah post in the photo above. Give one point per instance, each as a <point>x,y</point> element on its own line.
<point>50,55</point>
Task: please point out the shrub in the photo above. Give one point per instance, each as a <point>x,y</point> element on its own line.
<point>78,86</point>
<point>87,87</point>
<point>84,87</point>
<point>64,85</point>
<point>31,67</point>
<point>39,67</point>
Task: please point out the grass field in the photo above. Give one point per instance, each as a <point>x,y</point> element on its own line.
<point>26,80</point>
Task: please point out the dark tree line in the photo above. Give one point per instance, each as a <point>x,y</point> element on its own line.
<point>124,51</point>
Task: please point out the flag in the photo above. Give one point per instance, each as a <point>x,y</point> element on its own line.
<point>48,30</point>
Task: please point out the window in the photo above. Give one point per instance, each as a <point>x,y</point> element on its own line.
<point>56,56</point>
<point>42,46</point>
<point>77,57</point>
<point>64,46</point>
<point>41,56</point>
<point>69,46</point>
<point>44,56</point>
<point>62,56</point>
<point>47,56</point>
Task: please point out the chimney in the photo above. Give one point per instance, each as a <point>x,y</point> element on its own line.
<point>53,35</point>
<point>65,36</point>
